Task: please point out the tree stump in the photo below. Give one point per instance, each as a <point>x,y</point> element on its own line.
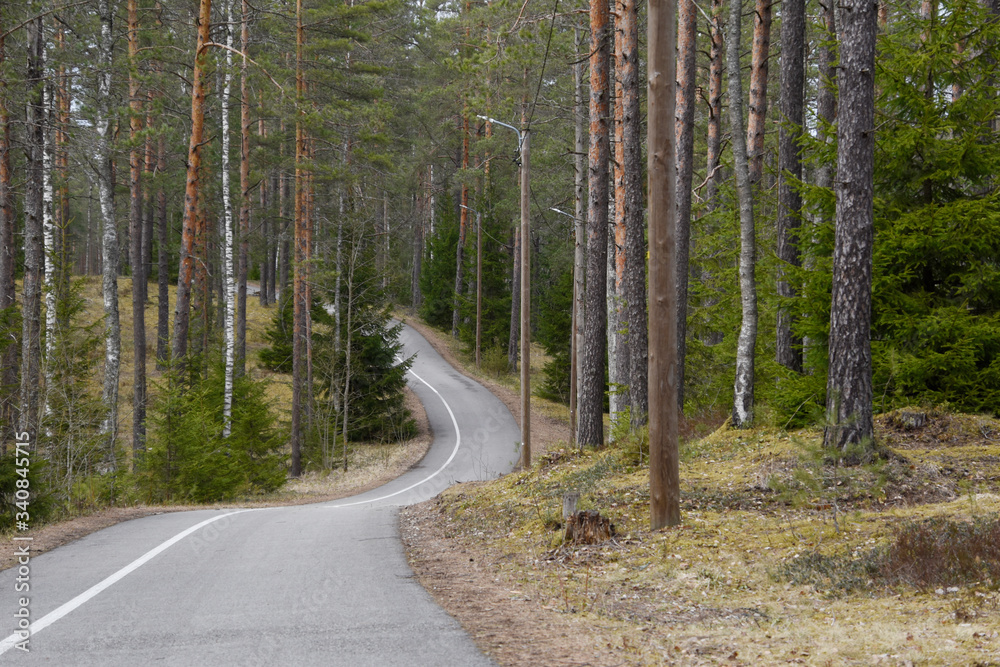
<point>588,527</point>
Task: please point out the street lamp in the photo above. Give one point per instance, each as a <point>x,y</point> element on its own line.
<point>479,280</point>
<point>574,344</point>
<point>524,146</point>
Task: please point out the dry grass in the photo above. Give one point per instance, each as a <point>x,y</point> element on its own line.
<point>757,506</point>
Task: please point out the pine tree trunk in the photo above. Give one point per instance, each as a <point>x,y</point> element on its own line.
<point>162,265</point>
<point>793,31</point>
<point>746,344</point>
<point>685,101</point>
<point>8,255</point>
<point>105,181</point>
<point>758,89</point>
<point>244,234</point>
<point>849,383</point>
<point>592,386</point>
<point>135,219</point>
<point>182,310</point>
<point>580,235</point>
<point>31,304</point>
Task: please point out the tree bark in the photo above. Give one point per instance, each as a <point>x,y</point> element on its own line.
<point>793,32</point>
<point>244,234</point>
<point>756,121</point>
<point>228,241</point>
<point>592,367</point>
<point>685,100</point>
<point>849,382</point>
<point>182,310</point>
<point>743,387</point>
<point>162,264</point>
<point>714,133</point>
<point>8,256</point>
<point>31,304</point>
<point>105,181</point>
<point>580,238</point>
<point>135,221</point>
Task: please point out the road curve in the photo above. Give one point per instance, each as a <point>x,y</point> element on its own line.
<point>323,584</point>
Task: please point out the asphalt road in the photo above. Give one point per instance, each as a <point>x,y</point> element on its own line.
<point>324,584</point>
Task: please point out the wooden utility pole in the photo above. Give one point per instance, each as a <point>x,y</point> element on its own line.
<point>525,300</point>
<point>664,476</point>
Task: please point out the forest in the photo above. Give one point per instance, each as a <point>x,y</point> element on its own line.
<point>833,231</point>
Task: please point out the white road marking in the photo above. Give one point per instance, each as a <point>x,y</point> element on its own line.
<point>458,443</point>
<point>53,616</point>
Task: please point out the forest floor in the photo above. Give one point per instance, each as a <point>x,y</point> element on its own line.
<point>781,557</point>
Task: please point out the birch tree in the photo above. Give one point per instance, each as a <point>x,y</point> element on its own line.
<point>105,184</point>
<point>743,388</point>
<point>34,259</point>
<point>227,215</point>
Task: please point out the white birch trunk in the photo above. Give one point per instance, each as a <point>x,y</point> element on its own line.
<point>227,207</point>
<point>49,245</point>
<point>743,387</point>
<point>102,157</point>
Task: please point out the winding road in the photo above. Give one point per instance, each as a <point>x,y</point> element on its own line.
<point>322,584</point>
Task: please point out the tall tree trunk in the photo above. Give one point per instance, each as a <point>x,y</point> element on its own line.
<point>135,221</point>
<point>182,311</point>
<point>48,238</point>
<point>685,100</point>
<point>747,342</point>
<point>714,134</point>
<point>227,214</point>
<point>244,235</point>
<point>580,235</point>
<point>592,366</point>
<point>758,88</point>
<point>162,263</point>
<point>147,198</point>
<point>793,32</point>
<point>105,182</point>
<point>267,226</point>
<point>635,229</point>
<point>617,324</point>
<point>8,256</point>
<point>418,246</point>
<point>849,382</point>
<point>31,304</point>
